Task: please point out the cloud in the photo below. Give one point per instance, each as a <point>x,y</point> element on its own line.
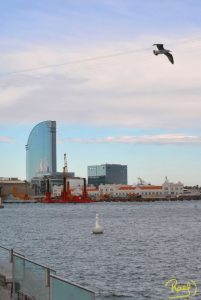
<point>162,139</point>
<point>6,139</point>
<point>10,96</point>
<point>133,90</point>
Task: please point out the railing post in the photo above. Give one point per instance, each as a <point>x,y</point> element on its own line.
<point>11,255</point>
<point>13,274</point>
<point>47,278</point>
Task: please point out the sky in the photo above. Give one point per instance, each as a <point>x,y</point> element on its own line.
<point>89,65</point>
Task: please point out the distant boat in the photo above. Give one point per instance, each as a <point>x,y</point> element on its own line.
<point>98,228</point>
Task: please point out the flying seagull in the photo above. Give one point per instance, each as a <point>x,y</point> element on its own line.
<point>161,50</point>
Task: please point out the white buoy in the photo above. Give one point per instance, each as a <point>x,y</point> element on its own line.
<point>98,228</point>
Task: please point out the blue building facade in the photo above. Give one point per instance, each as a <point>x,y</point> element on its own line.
<point>41,150</point>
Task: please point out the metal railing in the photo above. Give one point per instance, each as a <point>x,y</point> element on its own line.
<point>33,281</point>
<point>62,289</point>
<point>6,261</point>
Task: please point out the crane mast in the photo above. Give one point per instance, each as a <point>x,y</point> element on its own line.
<point>65,169</point>
<point>64,173</point>
<point>66,196</point>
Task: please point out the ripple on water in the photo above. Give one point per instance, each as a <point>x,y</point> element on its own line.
<point>143,244</point>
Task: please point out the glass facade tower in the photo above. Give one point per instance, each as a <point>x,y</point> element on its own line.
<point>41,150</point>
<point>107,174</point>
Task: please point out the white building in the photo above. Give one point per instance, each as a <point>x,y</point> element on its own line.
<point>116,190</point>
<point>104,191</point>
<point>171,189</point>
<point>167,189</point>
<point>150,191</point>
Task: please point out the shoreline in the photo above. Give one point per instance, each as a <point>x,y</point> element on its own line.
<point>118,200</point>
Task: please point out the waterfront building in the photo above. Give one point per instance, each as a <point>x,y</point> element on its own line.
<point>150,191</point>
<point>146,191</point>
<point>172,189</point>
<point>41,150</point>
<point>128,191</point>
<point>93,192</point>
<point>116,191</point>
<point>107,174</point>
<point>14,187</point>
<point>166,190</point>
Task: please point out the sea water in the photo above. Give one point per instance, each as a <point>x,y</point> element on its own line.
<point>143,245</point>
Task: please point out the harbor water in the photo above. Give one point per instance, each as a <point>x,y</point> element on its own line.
<point>143,245</point>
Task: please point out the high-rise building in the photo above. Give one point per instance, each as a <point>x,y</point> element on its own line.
<point>107,174</point>
<point>41,150</point>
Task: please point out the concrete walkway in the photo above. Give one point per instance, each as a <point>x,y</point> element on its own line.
<point>5,293</point>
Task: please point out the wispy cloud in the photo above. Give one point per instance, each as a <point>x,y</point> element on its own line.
<point>6,139</point>
<point>163,139</point>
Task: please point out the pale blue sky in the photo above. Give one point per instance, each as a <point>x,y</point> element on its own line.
<point>134,108</point>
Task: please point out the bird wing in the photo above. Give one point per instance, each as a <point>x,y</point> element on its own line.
<point>159,46</point>
<point>170,57</point>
